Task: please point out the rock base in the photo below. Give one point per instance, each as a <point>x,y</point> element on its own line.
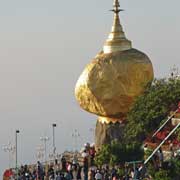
<point>105,133</point>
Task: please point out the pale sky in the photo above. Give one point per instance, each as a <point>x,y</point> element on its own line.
<point>44,47</point>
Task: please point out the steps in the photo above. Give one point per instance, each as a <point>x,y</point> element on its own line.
<point>161,136</point>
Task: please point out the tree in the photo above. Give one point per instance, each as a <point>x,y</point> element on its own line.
<point>170,170</point>
<point>146,115</point>
<point>175,167</point>
<point>150,109</point>
<point>118,153</point>
<point>162,175</point>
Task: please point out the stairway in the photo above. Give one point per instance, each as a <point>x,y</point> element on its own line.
<point>163,133</point>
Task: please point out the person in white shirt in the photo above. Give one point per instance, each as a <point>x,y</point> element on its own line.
<point>98,175</point>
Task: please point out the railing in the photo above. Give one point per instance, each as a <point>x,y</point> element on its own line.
<point>158,147</point>
<point>165,122</point>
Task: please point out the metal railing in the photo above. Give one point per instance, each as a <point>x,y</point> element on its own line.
<point>158,147</point>
<point>165,122</point>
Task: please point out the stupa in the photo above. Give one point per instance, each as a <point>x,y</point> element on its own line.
<point>112,81</point>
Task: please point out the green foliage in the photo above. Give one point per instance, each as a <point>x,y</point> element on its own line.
<point>103,155</point>
<point>151,170</point>
<point>162,175</point>
<point>175,167</point>
<point>146,115</point>
<point>151,108</point>
<point>121,172</point>
<point>147,153</point>
<point>178,134</point>
<point>170,170</point>
<point>118,153</point>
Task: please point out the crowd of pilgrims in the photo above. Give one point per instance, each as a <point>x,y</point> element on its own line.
<point>75,172</point>
<point>83,169</point>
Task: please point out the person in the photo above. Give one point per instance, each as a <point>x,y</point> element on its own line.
<point>34,174</point>
<point>90,175</point>
<point>142,170</point>
<point>51,172</point>
<point>137,173</point>
<point>106,173</point>
<point>40,172</point>
<point>85,172</point>
<point>98,175</point>
<point>78,172</point>
<point>126,173</point>
<point>58,176</point>
<point>92,153</point>
<point>161,157</point>
<point>113,172</point>
<point>63,163</point>
<point>132,173</point>
<point>67,175</point>
<point>85,164</point>
<point>171,149</point>
<point>74,171</point>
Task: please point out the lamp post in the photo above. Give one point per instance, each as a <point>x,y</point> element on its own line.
<point>10,149</point>
<point>16,142</point>
<point>75,135</point>
<point>174,72</point>
<point>54,146</point>
<point>45,139</point>
<point>40,153</point>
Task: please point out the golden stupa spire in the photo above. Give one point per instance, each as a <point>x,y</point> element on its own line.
<point>117,40</point>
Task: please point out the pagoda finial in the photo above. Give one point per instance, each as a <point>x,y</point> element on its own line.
<point>116,6</point>
<point>117,40</point>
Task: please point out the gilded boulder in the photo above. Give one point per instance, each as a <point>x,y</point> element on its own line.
<point>110,84</point>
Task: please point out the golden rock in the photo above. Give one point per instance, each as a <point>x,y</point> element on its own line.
<point>116,76</point>
<point>110,83</point>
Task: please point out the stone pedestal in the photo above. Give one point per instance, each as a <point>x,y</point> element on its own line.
<point>106,132</point>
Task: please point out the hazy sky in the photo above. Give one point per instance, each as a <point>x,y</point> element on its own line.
<point>45,45</point>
